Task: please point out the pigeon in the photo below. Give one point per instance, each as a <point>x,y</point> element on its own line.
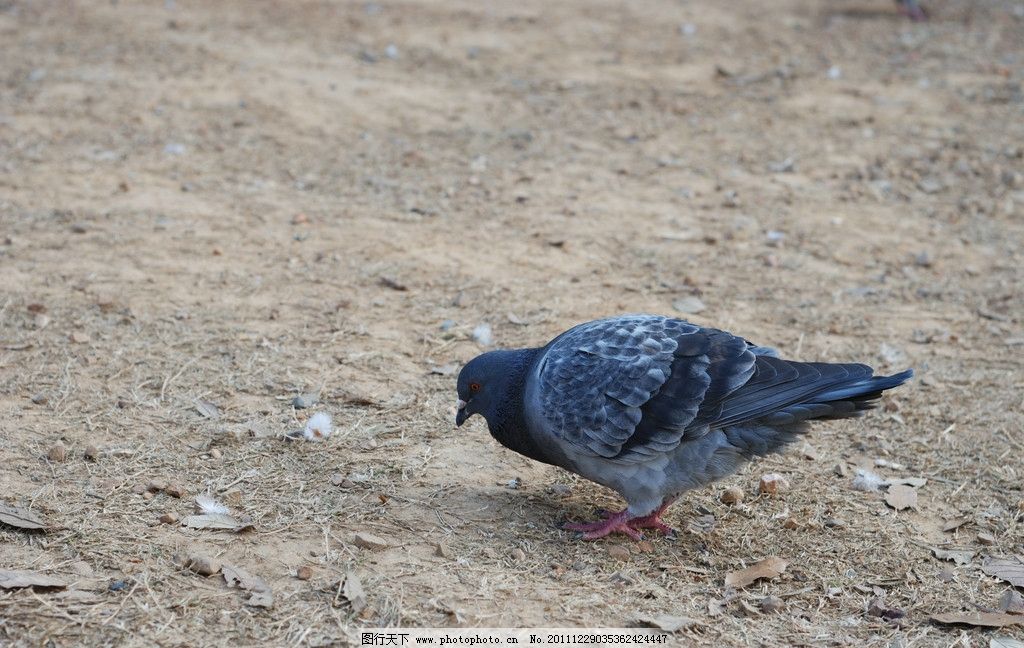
<point>653,406</point>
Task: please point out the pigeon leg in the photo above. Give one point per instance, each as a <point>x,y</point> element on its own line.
<point>614,523</point>
<point>653,520</point>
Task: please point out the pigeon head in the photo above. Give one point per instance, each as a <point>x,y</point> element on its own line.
<point>488,383</point>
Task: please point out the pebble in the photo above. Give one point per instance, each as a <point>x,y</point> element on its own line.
<point>175,489</point>
<point>773,484</point>
<point>148,495</point>
<point>441,550</point>
<point>232,497</point>
<point>518,555</point>
<point>168,518</point>
<point>91,453</point>
<point>40,399</point>
<point>204,565</point>
<point>305,401</point>
<point>370,541</point>
<point>690,305</point>
<point>732,495</point>
<point>58,453</point>
<point>156,485</point>
<point>304,573</point>
<point>216,454</point>
<point>644,546</point>
<point>618,552</point>
<point>791,524</point>
<point>772,604</point>
<point>834,523</point>
<point>78,337</point>
<point>986,539</point>
<point>560,490</point>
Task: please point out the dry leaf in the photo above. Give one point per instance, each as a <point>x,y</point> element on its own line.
<point>916,482</point>
<point>1011,601</point>
<point>262,595</point>
<point>20,518</point>
<point>959,556</point>
<point>767,568</point>
<point>955,524</point>
<point>666,622</point>
<point>216,521</point>
<point>982,619</point>
<point>207,409</point>
<point>1004,642</point>
<point>901,497</point>
<point>16,579</point>
<point>1010,570</point>
<point>353,592</point>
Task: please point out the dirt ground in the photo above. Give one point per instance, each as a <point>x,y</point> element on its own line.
<point>210,208</point>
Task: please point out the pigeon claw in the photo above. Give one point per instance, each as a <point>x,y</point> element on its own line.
<point>615,523</point>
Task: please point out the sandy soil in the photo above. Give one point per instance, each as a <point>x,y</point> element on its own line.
<point>239,202</point>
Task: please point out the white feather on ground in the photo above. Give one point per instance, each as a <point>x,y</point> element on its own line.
<point>210,506</point>
<point>318,427</point>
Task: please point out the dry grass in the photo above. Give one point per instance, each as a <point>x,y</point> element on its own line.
<point>230,202</point>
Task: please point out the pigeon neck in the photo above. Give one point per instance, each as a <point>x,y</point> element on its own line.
<point>507,423</point>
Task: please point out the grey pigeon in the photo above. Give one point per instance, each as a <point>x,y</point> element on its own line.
<point>651,407</point>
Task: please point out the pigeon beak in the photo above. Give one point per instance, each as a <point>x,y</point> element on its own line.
<point>461,415</point>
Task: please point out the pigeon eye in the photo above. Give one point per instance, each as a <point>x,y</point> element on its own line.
<point>474,387</point>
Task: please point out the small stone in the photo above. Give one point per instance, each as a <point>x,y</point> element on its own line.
<point>300,219</point>
<point>370,541</point>
<point>41,321</point>
<point>773,484</point>
<point>986,539</point>
<point>91,453</point>
<point>732,495</point>
<point>168,518</point>
<point>216,454</point>
<point>217,251</point>
<point>772,604</point>
<point>40,399</point>
<point>204,565</point>
<point>148,495</point>
<point>947,575</point>
<point>560,490</point>
<point>644,546</point>
<point>441,550</point>
<point>305,401</point>
<point>175,489</point>
<point>78,337</point>
<point>232,498</point>
<point>518,554</point>
<point>618,552</point>
<point>156,485</point>
<point>337,479</point>
<point>690,305</point>
<point>791,524</point>
<point>841,470</point>
<point>304,573</point>
<point>58,453</point>
<point>834,523</point>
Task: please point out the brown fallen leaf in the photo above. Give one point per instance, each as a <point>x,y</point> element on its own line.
<point>1010,570</point>
<point>981,619</point>
<point>901,497</point>
<point>261,594</point>
<point>959,556</point>
<point>18,579</point>
<point>666,622</point>
<point>767,568</point>
<point>21,518</point>
<point>955,523</point>
<point>216,521</point>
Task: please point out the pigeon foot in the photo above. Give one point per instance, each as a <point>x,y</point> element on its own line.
<point>652,521</point>
<point>615,523</point>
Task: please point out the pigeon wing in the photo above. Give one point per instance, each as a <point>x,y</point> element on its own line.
<point>630,387</point>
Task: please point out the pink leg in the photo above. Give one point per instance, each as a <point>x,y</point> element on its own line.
<point>653,520</point>
<point>614,523</point>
